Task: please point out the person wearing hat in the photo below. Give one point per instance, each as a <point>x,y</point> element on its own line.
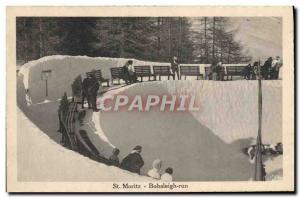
<point>84,95</point>
<point>167,176</point>
<point>129,74</point>
<point>175,67</point>
<point>93,91</point>
<point>114,159</point>
<point>134,161</point>
<point>276,64</point>
<point>155,171</point>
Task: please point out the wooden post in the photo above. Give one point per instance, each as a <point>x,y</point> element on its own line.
<point>46,87</point>
<point>259,167</point>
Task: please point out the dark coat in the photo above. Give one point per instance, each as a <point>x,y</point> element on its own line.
<point>114,160</point>
<point>174,65</point>
<point>94,85</point>
<point>85,85</point>
<point>133,162</point>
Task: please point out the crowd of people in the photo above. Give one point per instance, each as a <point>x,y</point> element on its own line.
<point>133,162</point>
<point>269,70</point>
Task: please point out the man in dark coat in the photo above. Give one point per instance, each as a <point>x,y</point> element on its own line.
<point>247,71</point>
<point>265,70</point>
<point>93,91</point>
<point>85,87</point>
<point>114,159</point>
<point>175,67</point>
<point>134,161</point>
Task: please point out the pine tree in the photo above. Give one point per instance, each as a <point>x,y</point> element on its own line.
<point>77,36</point>
<point>213,43</point>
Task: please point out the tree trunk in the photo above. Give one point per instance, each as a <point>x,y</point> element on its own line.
<point>121,50</point>
<point>180,38</point>
<point>213,41</point>
<point>158,36</point>
<point>41,39</point>
<point>205,40</point>
<point>170,38</point>
<point>25,41</point>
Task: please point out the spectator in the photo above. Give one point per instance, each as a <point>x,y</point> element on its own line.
<point>129,75</point>
<point>175,67</point>
<point>93,91</point>
<point>220,71</point>
<point>213,75</point>
<point>247,72</point>
<point>114,159</point>
<point>84,95</point>
<point>276,65</point>
<point>156,166</point>
<point>265,69</point>
<point>134,161</point>
<point>167,176</point>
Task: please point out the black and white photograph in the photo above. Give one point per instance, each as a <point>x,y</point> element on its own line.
<point>137,102</point>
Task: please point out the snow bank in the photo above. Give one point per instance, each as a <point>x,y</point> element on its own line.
<point>230,109</point>
<point>66,68</point>
<point>205,145</point>
<point>41,159</point>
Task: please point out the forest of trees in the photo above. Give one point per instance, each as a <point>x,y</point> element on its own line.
<point>144,38</point>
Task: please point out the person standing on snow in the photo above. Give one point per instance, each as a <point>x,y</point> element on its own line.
<point>85,87</point>
<point>167,176</point>
<point>220,71</point>
<point>154,172</point>
<point>134,161</point>
<point>114,159</point>
<point>93,91</point>
<point>276,64</point>
<point>265,69</point>
<point>129,75</point>
<point>175,67</point>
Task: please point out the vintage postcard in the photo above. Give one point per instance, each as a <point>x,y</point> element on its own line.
<point>150,99</point>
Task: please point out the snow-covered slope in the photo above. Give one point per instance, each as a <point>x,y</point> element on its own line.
<point>261,36</point>
<point>65,69</point>
<point>230,109</point>
<point>41,159</point>
<point>205,145</point>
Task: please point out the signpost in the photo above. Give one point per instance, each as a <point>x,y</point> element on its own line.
<point>259,167</point>
<point>46,75</point>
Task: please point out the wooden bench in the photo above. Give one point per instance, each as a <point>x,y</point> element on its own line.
<point>162,71</point>
<point>190,71</point>
<point>116,73</point>
<point>143,71</point>
<point>233,71</point>
<point>98,75</point>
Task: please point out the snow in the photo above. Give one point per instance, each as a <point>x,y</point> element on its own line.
<point>261,37</point>
<point>274,169</point>
<point>66,68</point>
<point>230,108</point>
<point>202,146</point>
<point>41,159</point>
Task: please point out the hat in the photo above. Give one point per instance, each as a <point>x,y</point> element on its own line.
<point>138,148</point>
<point>116,151</point>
